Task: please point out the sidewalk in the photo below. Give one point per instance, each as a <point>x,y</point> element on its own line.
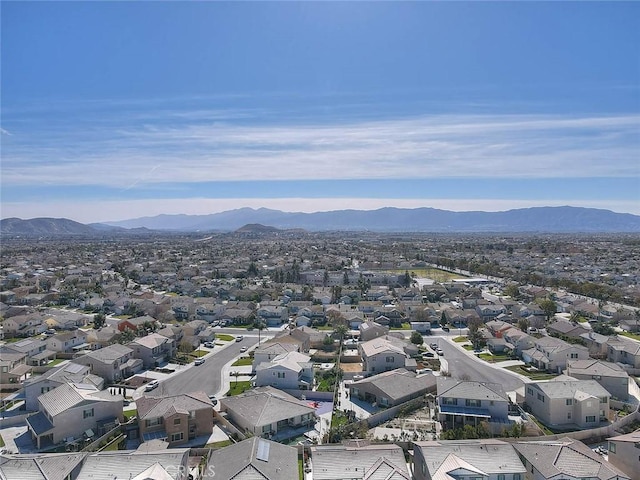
<point>226,378</point>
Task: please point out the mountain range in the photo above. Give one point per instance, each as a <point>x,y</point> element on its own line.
<point>536,219</point>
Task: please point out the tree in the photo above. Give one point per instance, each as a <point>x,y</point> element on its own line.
<point>416,338</point>
<point>259,325</point>
<point>512,290</point>
<point>340,331</point>
<point>99,320</point>
<point>549,307</point>
<point>523,324</point>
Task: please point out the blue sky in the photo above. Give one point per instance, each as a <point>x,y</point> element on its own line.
<point>123,109</point>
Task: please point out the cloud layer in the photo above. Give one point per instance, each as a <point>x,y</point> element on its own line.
<point>201,146</point>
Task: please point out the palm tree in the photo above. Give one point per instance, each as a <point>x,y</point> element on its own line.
<point>260,326</point>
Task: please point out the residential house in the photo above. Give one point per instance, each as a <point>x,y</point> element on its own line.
<point>35,349</point>
<point>13,365</point>
<point>565,458</point>
<point>153,349</point>
<point>517,340</point>
<point>462,402</point>
<point>113,363</point>
<point>103,337</point>
<point>498,327</point>
<point>269,412</point>
<point>74,411</point>
<point>358,460</point>
<point>610,375</point>
<point>177,418</point>
<point>564,328</point>
<point>24,325</point>
<point>253,458</point>
<point>623,350</point>
<point>66,342</point>
<point>383,354</point>
<point>138,464</point>
<point>70,373</point>
<point>300,336</point>
<point>392,388</point>
<point>287,371</point>
<point>486,459</point>
<point>568,403</point>
<point>370,330</point>
<point>552,354</point>
<point>623,453</point>
<point>136,324</point>
<point>490,312</point>
<point>272,315</point>
<point>270,350</point>
<point>596,343</point>
<point>41,466</point>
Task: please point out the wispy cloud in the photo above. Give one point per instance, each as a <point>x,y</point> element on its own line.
<point>200,145</point>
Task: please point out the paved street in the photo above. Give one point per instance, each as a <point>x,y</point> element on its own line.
<point>460,365</point>
<point>206,377</point>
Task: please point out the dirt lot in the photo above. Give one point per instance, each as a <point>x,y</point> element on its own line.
<point>351,367</point>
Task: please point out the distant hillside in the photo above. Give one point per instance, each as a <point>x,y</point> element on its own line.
<point>44,226</point>
<point>537,219</point>
<point>256,228</point>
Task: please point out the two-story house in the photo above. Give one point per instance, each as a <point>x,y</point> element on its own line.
<point>463,402</point>
<point>74,411</point>
<point>383,354</point>
<point>177,419</point>
<point>153,349</point>
<point>610,375</point>
<point>113,363</point>
<point>552,354</point>
<point>568,403</point>
<point>288,371</point>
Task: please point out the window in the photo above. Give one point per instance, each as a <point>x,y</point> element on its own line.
<point>574,355</point>
<point>604,400</point>
<point>266,428</point>
<point>530,391</point>
<point>517,476</point>
<point>176,437</point>
<point>472,403</point>
<point>151,422</point>
<point>176,421</point>
<point>87,413</point>
<point>390,359</point>
<point>568,415</point>
<point>501,476</point>
<point>569,401</point>
<point>590,418</point>
<point>612,447</point>
<point>449,401</point>
<point>281,374</point>
<point>541,397</point>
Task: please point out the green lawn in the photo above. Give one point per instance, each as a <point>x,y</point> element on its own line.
<point>238,387</point>
<point>468,347</point>
<point>55,362</point>
<point>300,469</point>
<point>242,362</point>
<point>432,273</point>
<point>532,375</point>
<point>199,353</point>
<point>635,336</point>
<point>129,413</point>
<point>488,357</point>
<point>223,443</point>
<point>460,339</point>
<point>225,337</point>
<point>403,326</point>
<point>1,441</point>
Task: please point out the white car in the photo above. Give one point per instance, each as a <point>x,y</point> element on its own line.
<point>243,349</point>
<point>198,361</point>
<point>239,338</point>
<point>151,385</point>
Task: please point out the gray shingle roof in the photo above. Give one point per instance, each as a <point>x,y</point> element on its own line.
<point>266,405</point>
<point>492,457</point>
<point>569,457</point>
<point>125,464</point>
<point>569,389</point>
<point>451,387</point>
<point>399,383</point>
<point>337,462</point>
<point>51,466</point>
<point>239,461</point>
<point>154,407</point>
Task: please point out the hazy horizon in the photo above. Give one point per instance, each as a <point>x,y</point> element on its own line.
<point>118,110</point>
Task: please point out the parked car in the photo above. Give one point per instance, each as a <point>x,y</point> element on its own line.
<point>239,338</point>
<point>199,361</point>
<point>243,349</point>
<point>209,344</point>
<point>151,385</point>
<point>428,355</point>
<point>434,346</point>
<point>440,352</point>
<point>213,399</point>
<point>445,329</point>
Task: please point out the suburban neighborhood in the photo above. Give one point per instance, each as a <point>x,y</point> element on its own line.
<point>320,356</point>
